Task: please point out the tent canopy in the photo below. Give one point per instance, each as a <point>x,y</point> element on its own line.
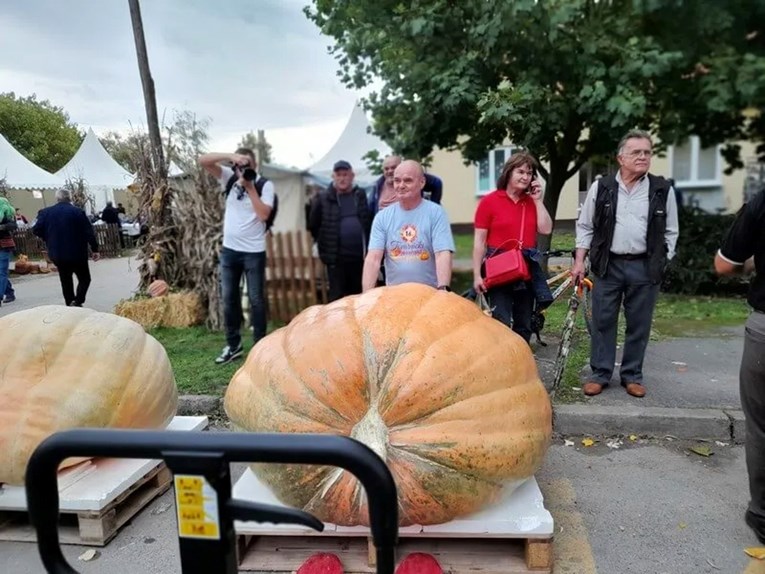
<point>354,143</point>
<point>94,164</point>
<point>20,173</point>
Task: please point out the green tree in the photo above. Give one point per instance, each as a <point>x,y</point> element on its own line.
<point>126,150</point>
<point>259,144</point>
<point>563,78</point>
<point>42,132</point>
<point>185,139</point>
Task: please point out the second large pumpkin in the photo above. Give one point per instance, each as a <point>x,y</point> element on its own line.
<point>448,397</point>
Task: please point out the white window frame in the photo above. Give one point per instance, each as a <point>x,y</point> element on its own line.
<point>492,167</point>
<point>695,143</point>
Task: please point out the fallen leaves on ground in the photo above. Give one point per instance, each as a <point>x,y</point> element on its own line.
<point>88,555</point>
<point>587,442</point>
<point>633,437</point>
<point>757,553</point>
<point>701,450</point>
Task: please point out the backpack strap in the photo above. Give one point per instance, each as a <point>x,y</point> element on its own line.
<point>229,184</point>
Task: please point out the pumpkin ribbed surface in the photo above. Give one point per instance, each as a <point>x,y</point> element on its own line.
<point>68,367</point>
<point>450,398</point>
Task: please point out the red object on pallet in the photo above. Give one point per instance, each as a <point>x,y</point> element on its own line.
<point>419,563</point>
<point>322,563</point>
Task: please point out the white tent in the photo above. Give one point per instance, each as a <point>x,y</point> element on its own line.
<point>352,145</point>
<point>20,173</point>
<point>100,172</point>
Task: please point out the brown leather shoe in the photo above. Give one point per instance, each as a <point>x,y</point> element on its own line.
<point>635,389</point>
<point>591,389</point>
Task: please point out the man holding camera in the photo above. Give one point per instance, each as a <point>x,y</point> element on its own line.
<point>249,202</point>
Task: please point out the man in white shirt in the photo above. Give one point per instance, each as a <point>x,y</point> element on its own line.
<point>629,228</point>
<point>249,202</point>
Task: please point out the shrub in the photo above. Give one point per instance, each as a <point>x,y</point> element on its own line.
<point>692,269</point>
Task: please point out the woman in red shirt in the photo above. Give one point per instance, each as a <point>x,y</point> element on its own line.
<point>516,203</point>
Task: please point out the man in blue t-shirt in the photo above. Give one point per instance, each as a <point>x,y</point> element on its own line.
<point>412,234</point>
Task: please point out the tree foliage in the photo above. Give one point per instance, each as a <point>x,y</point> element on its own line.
<point>125,149</point>
<point>40,131</point>
<point>259,144</point>
<point>563,78</point>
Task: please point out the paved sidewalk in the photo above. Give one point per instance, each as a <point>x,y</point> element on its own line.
<point>111,281</point>
<point>692,392</point>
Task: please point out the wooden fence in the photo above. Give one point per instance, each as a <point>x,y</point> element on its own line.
<point>27,243</point>
<point>295,278</point>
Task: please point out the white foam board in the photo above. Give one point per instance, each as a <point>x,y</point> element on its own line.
<point>93,484</point>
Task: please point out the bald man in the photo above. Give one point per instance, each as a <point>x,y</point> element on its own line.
<point>412,234</point>
<point>384,194</point>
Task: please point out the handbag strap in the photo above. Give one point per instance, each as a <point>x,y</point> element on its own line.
<point>519,241</point>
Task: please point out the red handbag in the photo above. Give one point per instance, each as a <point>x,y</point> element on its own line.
<point>508,266</point>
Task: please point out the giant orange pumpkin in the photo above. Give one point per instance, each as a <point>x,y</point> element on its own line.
<point>66,367</point>
<point>450,398</point>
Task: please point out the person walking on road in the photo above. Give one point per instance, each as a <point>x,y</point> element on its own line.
<point>67,233</point>
<point>743,251</point>
<point>629,226</point>
<point>7,226</point>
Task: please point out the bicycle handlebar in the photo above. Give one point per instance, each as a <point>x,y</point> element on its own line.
<point>318,449</point>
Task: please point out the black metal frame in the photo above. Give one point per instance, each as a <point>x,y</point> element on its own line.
<point>209,454</point>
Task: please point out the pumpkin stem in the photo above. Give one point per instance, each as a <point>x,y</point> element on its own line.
<point>372,431</point>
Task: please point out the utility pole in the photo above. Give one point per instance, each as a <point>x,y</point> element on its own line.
<point>149,97</point>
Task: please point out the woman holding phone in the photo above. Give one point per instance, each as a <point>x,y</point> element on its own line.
<point>513,212</point>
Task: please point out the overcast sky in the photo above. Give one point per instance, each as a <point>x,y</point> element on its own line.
<point>245,64</point>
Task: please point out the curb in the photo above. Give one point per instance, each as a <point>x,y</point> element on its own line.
<point>689,424</point>
<point>681,423</point>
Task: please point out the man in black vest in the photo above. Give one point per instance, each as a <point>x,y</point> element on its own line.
<point>628,224</point>
<point>743,251</point>
<point>340,222</point>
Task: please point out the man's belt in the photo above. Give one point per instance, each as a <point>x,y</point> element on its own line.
<point>628,256</point>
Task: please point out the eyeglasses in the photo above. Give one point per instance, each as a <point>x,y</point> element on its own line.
<point>636,153</point>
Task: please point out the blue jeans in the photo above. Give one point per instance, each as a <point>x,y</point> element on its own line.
<point>5,262</point>
<point>9,291</point>
<point>253,265</point>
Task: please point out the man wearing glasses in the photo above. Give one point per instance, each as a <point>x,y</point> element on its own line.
<point>628,225</point>
<point>413,234</point>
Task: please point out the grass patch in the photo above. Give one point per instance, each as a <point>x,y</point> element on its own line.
<point>563,240</point>
<point>192,353</point>
<point>463,244</point>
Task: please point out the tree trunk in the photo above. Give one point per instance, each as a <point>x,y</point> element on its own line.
<point>555,183</point>
<point>148,87</point>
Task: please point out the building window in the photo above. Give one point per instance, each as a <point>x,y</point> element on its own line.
<point>489,169</point>
<point>694,166</point>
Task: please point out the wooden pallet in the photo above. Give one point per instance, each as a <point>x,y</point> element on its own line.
<point>513,537</point>
<point>285,554</point>
<point>96,497</point>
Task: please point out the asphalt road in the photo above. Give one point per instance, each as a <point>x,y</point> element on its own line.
<point>645,508</point>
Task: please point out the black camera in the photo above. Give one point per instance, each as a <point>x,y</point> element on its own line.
<point>246,172</point>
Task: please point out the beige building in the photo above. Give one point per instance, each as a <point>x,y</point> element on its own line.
<point>698,174</point>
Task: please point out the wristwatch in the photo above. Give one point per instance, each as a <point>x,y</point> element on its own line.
<point>444,288</point>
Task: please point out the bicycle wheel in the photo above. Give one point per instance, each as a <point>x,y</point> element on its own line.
<point>565,342</point>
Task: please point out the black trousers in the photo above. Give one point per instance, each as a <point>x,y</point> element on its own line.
<point>66,270</point>
<point>752,387</point>
<point>626,283</point>
<point>344,278</point>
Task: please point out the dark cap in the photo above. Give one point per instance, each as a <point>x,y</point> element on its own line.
<point>342,164</point>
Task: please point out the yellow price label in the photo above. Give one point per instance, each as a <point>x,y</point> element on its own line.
<point>194,529</point>
<point>197,505</point>
<point>188,483</point>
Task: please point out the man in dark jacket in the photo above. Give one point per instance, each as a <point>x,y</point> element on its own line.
<point>340,222</point>
<point>743,252</point>
<point>67,233</point>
